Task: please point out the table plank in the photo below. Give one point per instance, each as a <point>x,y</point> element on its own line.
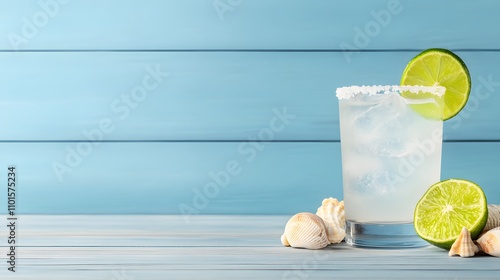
<point>210,95</point>
<point>255,24</point>
<point>165,178</point>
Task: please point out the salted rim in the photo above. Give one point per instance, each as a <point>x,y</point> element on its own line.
<point>351,91</point>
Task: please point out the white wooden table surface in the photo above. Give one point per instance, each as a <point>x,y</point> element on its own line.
<point>208,247</point>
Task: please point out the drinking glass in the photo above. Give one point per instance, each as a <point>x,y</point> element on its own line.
<point>391,154</point>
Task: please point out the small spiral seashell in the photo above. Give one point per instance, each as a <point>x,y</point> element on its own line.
<point>333,214</point>
<point>490,242</point>
<point>493,218</point>
<point>463,246</point>
<point>305,230</point>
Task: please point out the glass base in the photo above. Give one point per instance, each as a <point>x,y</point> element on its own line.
<point>383,235</point>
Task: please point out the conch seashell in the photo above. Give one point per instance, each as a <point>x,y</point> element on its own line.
<point>333,214</point>
<point>490,242</point>
<point>493,218</point>
<point>463,246</point>
<point>305,230</point>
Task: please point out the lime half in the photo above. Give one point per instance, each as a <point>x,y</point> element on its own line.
<point>446,208</point>
<point>439,67</point>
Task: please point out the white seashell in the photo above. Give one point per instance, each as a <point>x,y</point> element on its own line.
<point>490,242</point>
<point>284,241</point>
<point>493,217</point>
<point>333,214</point>
<point>463,246</point>
<point>305,230</point>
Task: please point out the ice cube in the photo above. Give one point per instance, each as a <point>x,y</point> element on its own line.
<point>367,176</point>
<point>380,115</point>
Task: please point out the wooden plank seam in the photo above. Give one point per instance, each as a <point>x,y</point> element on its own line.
<point>122,107</point>
<point>249,149</point>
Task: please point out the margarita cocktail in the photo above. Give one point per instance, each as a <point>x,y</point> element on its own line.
<point>391,154</point>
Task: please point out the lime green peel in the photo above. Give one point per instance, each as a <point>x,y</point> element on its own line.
<point>446,208</point>
<point>439,67</point>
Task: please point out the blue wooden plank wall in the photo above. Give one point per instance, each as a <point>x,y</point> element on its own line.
<point>219,106</point>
